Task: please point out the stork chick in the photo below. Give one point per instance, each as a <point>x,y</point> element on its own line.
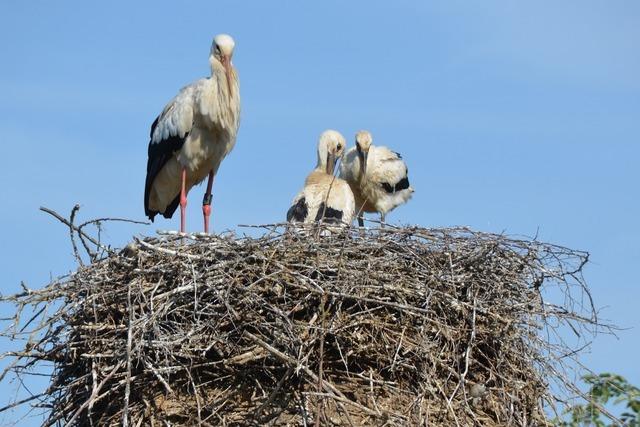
<point>324,197</point>
<point>378,177</point>
<point>192,135</point>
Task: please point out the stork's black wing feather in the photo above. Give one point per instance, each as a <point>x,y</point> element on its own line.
<point>328,214</point>
<point>403,184</point>
<point>159,154</point>
<point>298,212</point>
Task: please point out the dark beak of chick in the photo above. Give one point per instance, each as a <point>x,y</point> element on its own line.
<point>331,162</point>
<point>364,155</point>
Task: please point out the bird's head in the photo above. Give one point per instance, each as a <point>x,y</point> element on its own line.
<point>221,52</point>
<point>363,143</point>
<point>330,149</point>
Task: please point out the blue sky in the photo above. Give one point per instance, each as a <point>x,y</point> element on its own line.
<point>521,117</point>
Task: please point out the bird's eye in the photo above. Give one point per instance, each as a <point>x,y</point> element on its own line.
<point>339,147</point>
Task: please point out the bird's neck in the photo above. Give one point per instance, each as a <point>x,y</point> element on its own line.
<point>321,166</point>
<point>316,176</point>
<point>225,90</point>
<point>223,102</point>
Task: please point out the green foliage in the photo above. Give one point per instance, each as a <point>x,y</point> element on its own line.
<point>605,389</point>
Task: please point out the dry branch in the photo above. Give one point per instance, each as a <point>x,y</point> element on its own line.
<point>399,326</point>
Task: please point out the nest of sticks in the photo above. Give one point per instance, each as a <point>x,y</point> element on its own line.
<point>395,326</point>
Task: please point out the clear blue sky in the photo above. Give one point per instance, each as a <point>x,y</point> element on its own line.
<point>521,117</point>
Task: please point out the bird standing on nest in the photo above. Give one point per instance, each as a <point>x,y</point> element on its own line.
<point>324,197</point>
<point>192,135</point>
<point>378,177</point>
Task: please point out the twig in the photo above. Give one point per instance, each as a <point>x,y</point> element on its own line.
<point>75,209</point>
<point>335,393</point>
<point>94,394</point>
<point>323,301</point>
<point>21,402</point>
<point>386,328</point>
<point>73,227</point>
<point>127,389</point>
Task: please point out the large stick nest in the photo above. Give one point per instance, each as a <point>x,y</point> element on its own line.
<point>392,327</point>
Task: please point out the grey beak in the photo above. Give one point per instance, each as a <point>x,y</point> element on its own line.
<point>365,156</point>
<point>331,163</point>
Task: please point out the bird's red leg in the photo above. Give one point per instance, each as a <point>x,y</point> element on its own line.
<point>206,203</point>
<point>183,201</point>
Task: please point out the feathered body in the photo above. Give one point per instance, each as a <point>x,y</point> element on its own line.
<point>383,184</point>
<point>195,131</point>
<point>324,197</point>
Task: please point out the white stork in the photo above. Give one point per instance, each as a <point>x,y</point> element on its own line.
<point>378,177</point>
<point>324,196</point>
<point>192,135</point>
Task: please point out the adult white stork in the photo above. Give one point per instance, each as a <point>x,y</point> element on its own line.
<point>192,135</point>
<point>324,197</point>
<point>378,177</point>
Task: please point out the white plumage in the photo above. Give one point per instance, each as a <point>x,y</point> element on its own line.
<point>324,197</point>
<point>378,177</point>
<point>192,135</point>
